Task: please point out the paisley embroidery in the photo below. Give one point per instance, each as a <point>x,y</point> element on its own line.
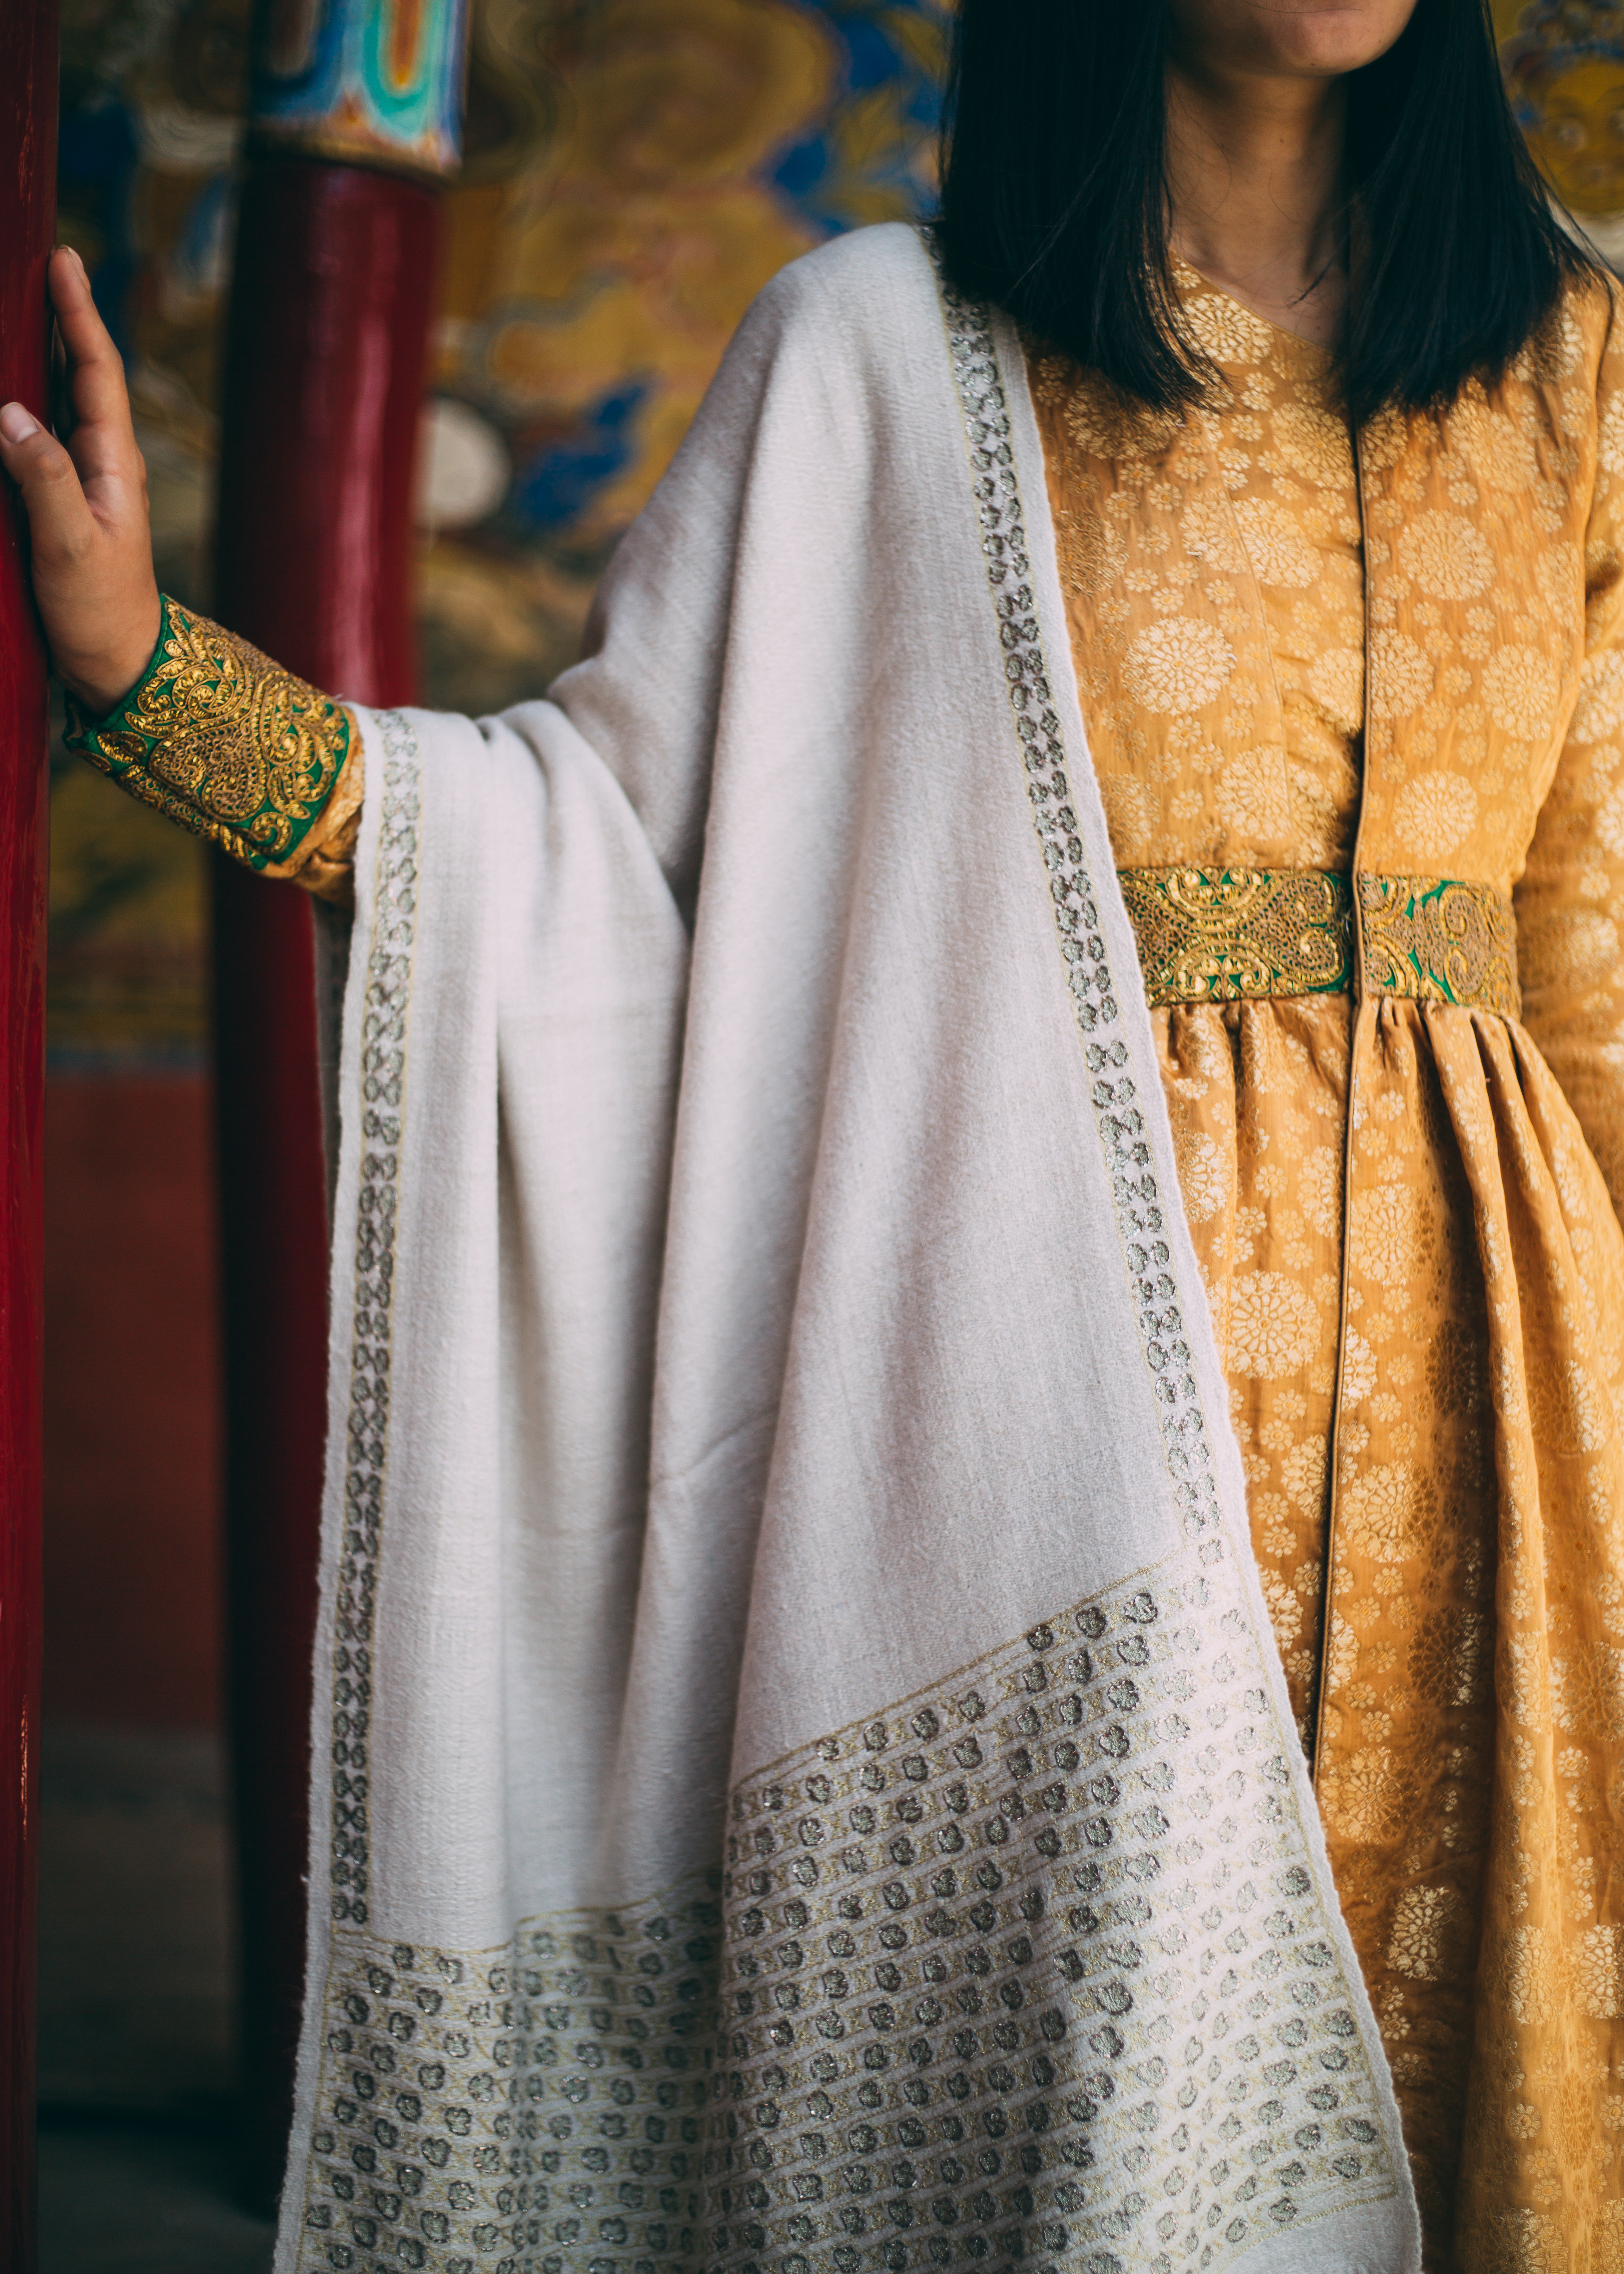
<point>1437,941</point>
<point>1214,936</point>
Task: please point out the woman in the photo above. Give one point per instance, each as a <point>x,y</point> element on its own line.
<point>782,1472</point>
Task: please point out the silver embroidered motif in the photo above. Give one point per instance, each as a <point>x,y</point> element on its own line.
<point>389,986</point>
<point>542,2106</point>
<point>1030,1965</point>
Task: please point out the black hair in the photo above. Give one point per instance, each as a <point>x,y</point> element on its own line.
<point>1054,202</point>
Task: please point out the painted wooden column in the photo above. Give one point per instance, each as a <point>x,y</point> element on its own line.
<point>355,119</point>
<point>27,226</point>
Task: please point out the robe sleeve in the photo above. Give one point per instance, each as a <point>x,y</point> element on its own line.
<point>1570,901</point>
<point>225,742</point>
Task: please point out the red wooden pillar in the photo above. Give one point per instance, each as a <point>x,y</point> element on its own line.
<point>331,303</point>
<point>28,225</point>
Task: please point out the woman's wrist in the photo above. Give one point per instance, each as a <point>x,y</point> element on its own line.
<point>103,683</point>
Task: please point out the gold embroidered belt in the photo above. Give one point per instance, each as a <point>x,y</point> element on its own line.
<point>1233,935</point>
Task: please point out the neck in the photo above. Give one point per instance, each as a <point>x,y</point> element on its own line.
<point>1254,164</point>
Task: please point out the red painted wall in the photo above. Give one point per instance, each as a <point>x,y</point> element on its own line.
<point>133,1557</point>
<point>27,215</point>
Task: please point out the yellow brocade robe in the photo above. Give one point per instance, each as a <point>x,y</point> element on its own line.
<point>1411,663</point>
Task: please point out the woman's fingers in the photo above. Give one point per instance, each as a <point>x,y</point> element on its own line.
<point>60,525</point>
<point>104,438</point>
<point>91,550</point>
<point>97,371</point>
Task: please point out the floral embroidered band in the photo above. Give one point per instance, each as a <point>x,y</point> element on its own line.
<point>223,741</point>
<point>1230,934</point>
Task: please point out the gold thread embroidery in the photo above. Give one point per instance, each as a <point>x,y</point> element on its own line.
<point>1230,934</point>
<point>221,740</point>
<point>1220,935</point>
<point>1435,940</point>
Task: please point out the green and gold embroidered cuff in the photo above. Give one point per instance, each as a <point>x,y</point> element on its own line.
<point>223,741</point>
<point>1237,935</point>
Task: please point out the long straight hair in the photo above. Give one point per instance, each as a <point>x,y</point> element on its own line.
<point>1054,202</point>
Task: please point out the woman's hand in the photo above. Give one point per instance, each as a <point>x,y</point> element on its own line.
<point>86,505</point>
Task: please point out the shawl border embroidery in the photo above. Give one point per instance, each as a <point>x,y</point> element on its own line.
<point>1118,1117</point>
<point>389,992</point>
<point>1028,1967</point>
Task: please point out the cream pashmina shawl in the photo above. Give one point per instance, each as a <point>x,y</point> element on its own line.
<point>804,1783</point>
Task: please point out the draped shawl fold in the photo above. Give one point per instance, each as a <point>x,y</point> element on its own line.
<point>803,1775</point>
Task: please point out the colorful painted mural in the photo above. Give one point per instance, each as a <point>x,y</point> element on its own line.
<point>635,171</point>
<point>603,247</point>
<point>1564,65</point>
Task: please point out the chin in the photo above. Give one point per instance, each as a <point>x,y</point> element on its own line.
<point>1324,42</point>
